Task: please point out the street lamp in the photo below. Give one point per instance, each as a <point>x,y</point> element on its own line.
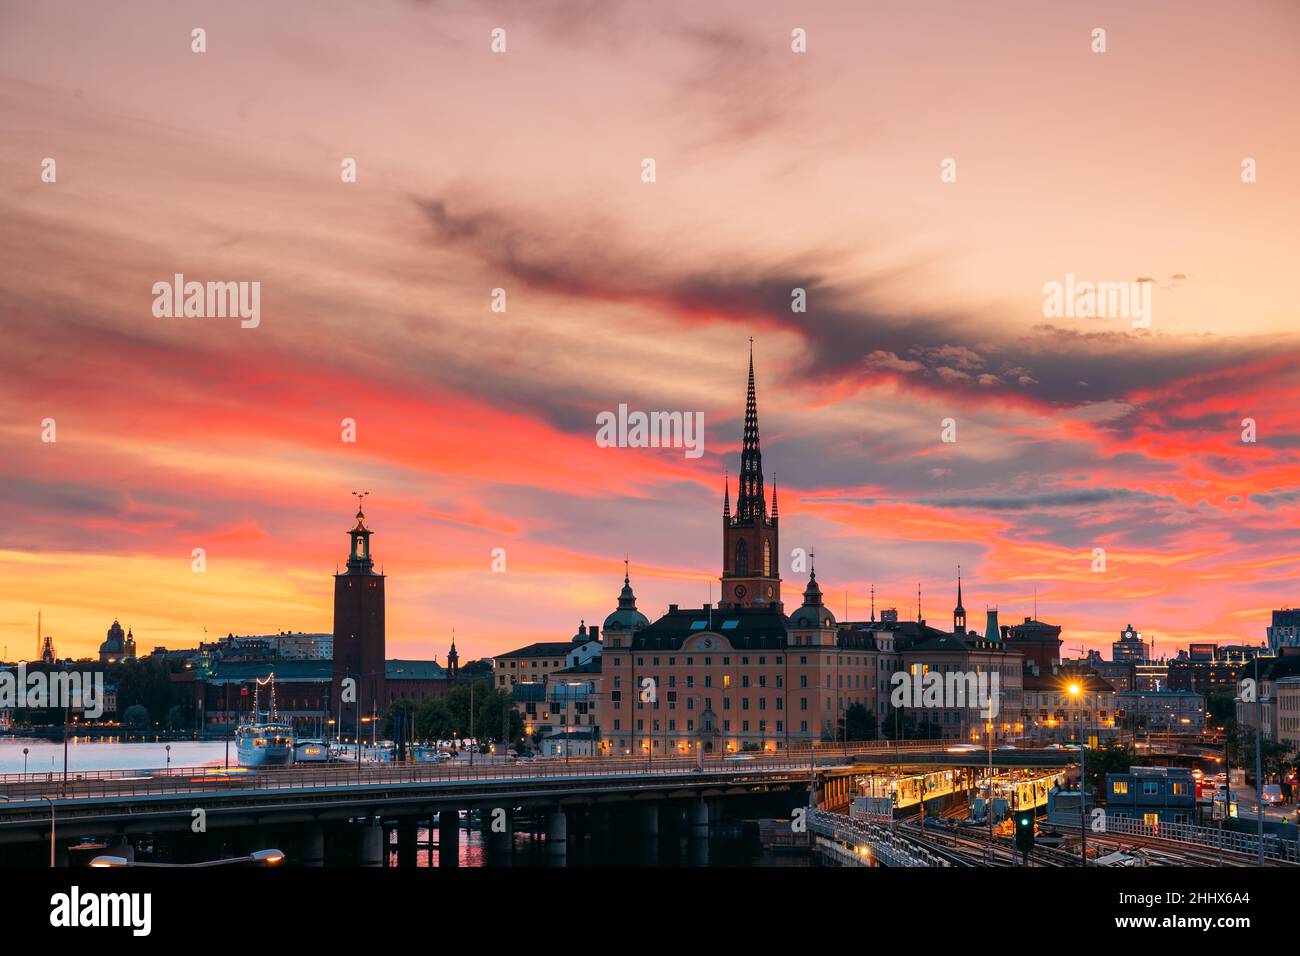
<point>1075,690</point>
<point>5,799</point>
<point>261,857</point>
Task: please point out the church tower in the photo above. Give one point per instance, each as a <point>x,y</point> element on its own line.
<point>358,633</point>
<point>959,612</point>
<point>751,575</point>
<point>453,663</point>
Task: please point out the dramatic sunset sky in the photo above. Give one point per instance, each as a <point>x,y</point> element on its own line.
<point>522,171</point>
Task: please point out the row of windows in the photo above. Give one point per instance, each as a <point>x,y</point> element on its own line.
<point>778,726</point>
<point>1150,788</point>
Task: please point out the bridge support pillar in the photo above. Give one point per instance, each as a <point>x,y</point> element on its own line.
<point>698,819</point>
<point>499,834</point>
<point>599,819</point>
<point>312,846</point>
<point>648,820</point>
<point>407,835</point>
<point>449,837</point>
<point>557,835</point>
<point>372,843</point>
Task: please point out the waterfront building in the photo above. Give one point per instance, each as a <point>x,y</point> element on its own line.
<point>1071,704</point>
<point>359,642</point>
<point>1267,673</point>
<point>1287,694</point>
<point>1151,676</point>
<point>1119,674</point>
<point>1130,648</point>
<point>1285,629</point>
<point>117,645</point>
<point>1162,711</point>
<point>1152,795</point>
<point>752,673</point>
<point>1209,667</point>
<point>534,662</point>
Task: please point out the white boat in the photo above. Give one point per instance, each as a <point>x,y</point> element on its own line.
<point>264,740</point>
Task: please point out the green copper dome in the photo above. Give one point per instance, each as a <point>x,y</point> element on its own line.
<point>627,617</point>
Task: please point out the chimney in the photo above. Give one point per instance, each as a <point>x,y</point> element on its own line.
<point>991,629</point>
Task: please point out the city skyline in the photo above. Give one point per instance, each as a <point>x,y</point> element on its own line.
<point>775,171</point>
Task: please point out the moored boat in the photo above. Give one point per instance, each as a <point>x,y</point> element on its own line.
<point>264,740</point>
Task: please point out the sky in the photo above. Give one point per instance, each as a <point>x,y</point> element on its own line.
<point>922,171</point>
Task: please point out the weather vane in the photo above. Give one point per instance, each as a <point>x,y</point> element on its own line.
<point>359,496</point>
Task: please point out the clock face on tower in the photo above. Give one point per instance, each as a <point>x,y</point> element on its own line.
<point>770,591</point>
<point>741,590</point>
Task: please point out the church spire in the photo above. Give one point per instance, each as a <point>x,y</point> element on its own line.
<point>775,511</point>
<point>959,612</point>
<point>750,502</point>
<point>726,496</point>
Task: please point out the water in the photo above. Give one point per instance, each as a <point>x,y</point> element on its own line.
<point>107,753</point>
<point>670,849</point>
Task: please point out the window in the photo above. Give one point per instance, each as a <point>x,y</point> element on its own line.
<point>767,558</point>
<point>742,558</point>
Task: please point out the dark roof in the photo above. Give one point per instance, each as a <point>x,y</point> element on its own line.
<point>1272,668</point>
<point>1032,630</point>
<point>284,671</point>
<point>745,628</point>
<point>856,636</point>
<point>414,670</point>
<point>542,649</point>
<point>590,667</point>
<point>921,637</point>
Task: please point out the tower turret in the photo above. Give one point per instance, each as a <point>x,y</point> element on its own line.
<point>750,572</point>
<point>959,612</point>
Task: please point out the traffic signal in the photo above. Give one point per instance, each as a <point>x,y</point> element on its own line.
<point>1024,834</point>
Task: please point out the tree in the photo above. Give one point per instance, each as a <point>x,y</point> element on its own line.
<point>177,717</point>
<point>136,716</point>
<point>147,683</point>
<point>1115,757</point>
<point>858,723</point>
<point>442,718</point>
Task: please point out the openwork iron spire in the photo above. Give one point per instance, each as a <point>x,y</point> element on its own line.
<point>750,501</point>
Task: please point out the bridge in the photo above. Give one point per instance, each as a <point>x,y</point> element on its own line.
<point>354,810</point>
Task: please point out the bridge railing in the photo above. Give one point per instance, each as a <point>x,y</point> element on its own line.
<point>22,787</point>
<point>110,783</point>
<point>1236,841</point>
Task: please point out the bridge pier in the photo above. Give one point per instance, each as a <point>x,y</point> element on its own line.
<point>448,837</point>
<point>371,839</point>
<point>557,836</point>
<point>648,820</point>
<point>498,834</point>
<point>312,845</point>
<point>698,819</point>
<point>407,834</point>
